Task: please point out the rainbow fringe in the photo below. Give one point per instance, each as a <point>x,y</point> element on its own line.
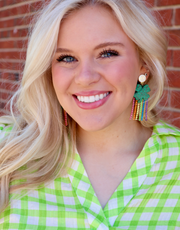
<point>139,110</point>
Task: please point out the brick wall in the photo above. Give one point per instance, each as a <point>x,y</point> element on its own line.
<point>15,16</point>
<point>168,12</point>
<point>14,19</point>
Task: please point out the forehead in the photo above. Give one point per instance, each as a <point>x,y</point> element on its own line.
<point>86,17</point>
<point>92,8</point>
<point>91,25</point>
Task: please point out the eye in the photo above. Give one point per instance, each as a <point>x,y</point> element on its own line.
<point>108,53</point>
<point>66,59</point>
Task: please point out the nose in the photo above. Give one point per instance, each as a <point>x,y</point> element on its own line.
<point>87,73</point>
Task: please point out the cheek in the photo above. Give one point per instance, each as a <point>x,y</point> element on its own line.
<point>60,79</point>
<point>124,71</point>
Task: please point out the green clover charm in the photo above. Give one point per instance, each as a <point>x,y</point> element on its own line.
<point>141,92</point>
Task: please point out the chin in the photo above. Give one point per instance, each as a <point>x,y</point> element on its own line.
<point>92,126</point>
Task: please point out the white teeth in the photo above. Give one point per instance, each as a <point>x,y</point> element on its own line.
<point>97,97</point>
<point>86,99</point>
<point>101,96</point>
<point>91,99</point>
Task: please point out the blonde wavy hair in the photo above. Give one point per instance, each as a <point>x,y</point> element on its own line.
<point>39,148</point>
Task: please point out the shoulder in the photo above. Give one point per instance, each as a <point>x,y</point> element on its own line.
<point>163,128</point>
<point>167,136</point>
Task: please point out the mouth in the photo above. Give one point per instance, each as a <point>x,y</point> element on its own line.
<point>92,98</point>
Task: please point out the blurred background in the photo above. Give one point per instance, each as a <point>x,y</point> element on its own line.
<point>15,16</point>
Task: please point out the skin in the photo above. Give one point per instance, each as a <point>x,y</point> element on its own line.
<point>107,141</point>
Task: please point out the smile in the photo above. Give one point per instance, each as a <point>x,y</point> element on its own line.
<point>93,98</point>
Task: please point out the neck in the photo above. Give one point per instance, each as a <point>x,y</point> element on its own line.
<point>125,137</point>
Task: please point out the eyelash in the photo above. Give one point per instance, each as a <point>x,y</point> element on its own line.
<point>60,59</point>
<point>112,52</point>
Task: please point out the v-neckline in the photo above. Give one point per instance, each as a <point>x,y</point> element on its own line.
<point>98,217</point>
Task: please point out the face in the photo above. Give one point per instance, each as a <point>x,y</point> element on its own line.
<point>95,69</point>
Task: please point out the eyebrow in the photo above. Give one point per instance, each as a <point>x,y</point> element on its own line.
<point>64,50</point>
<point>108,44</point>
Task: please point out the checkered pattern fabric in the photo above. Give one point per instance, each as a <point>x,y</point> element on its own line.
<point>147,199</point>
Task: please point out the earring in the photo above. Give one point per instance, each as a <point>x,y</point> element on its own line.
<point>65,118</point>
<point>140,100</point>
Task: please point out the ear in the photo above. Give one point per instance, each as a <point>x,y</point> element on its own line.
<point>144,70</point>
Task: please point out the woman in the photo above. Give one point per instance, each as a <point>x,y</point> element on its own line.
<point>84,150</point>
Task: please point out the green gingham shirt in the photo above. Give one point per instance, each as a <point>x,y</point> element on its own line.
<point>148,198</point>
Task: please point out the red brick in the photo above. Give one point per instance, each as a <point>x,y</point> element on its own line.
<point>5,34</point>
<point>17,66</point>
<point>176,58</point>
<point>177,17</point>
<point>19,33</point>
<point>14,11</point>
<point>24,9</point>
<point>149,3</point>
<point>175,99</point>
<point>5,75</point>
<point>11,76</point>
<point>22,21</point>
<point>5,65</point>
<point>8,86</point>
<point>169,57</point>
<point>19,21</point>
<point>165,99</point>
<point>9,12</point>
<point>4,13</point>
<point>174,78</point>
<point>11,66</point>
<point>8,34</point>
<point>5,96</point>
<point>165,114</point>
<point>18,1</point>
<point>20,44</point>
<point>171,117</point>
<point>6,44</point>
<point>35,6</point>
<point>29,19</point>
<point>7,23</point>
<point>6,2</point>
<point>167,2</point>
<point>174,37</point>
<point>175,118</point>
<point>165,17</point>
<point>12,55</point>
<point>2,105</point>
<point>23,32</point>
<point>1,113</point>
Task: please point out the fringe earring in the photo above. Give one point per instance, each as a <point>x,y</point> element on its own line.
<point>65,118</point>
<point>140,100</point>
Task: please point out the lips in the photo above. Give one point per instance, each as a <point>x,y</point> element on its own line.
<point>91,100</point>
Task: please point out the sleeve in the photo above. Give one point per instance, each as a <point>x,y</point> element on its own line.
<point>4,130</point>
